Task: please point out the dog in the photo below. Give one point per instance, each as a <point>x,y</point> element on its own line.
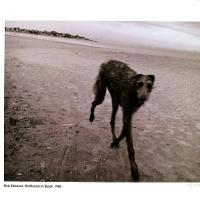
<point>128,90</point>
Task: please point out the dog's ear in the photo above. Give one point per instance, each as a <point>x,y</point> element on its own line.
<point>138,76</point>
<point>152,77</point>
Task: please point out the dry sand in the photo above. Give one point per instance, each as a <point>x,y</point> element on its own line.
<point>48,91</point>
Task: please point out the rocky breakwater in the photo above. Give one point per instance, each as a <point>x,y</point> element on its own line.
<point>46,33</point>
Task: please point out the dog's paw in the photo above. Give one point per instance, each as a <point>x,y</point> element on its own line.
<point>91,118</point>
<point>135,174</point>
<point>114,145</point>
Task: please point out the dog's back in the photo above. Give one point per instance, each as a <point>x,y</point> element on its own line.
<point>116,75</point>
<point>116,70</point>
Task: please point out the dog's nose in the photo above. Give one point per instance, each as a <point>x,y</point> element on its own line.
<point>143,98</point>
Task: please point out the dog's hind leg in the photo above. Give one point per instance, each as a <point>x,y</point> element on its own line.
<point>126,126</point>
<point>100,91</point>
<point>115,106</point>
<point>124,131</point>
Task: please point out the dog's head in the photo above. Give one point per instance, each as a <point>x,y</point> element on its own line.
<point>143,85</point>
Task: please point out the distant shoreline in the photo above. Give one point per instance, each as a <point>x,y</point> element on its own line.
<point>47,33</point>
<point>146,50</point>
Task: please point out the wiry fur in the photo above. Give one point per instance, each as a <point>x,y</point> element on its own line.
<point>127,89</point>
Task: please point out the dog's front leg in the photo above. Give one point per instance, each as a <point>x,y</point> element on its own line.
<point>131,154</point>
<point>127,128</point>
<point>126,131</point>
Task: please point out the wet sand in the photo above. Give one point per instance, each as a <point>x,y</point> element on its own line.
<point>48,91</point>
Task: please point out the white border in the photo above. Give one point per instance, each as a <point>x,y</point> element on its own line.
<point>104,10</point>
<point>131,10</point>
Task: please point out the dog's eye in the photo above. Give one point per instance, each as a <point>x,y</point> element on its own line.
<point>149,86</point>
<point>140,84</point>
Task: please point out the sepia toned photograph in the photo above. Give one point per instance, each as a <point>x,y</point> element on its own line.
<point>102,101</point>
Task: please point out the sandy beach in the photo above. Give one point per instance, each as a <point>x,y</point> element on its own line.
<point>48,92</point>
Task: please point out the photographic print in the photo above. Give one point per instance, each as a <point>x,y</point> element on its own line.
<point>102,101</point>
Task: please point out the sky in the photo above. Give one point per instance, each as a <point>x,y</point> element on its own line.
<point>170,35</point>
